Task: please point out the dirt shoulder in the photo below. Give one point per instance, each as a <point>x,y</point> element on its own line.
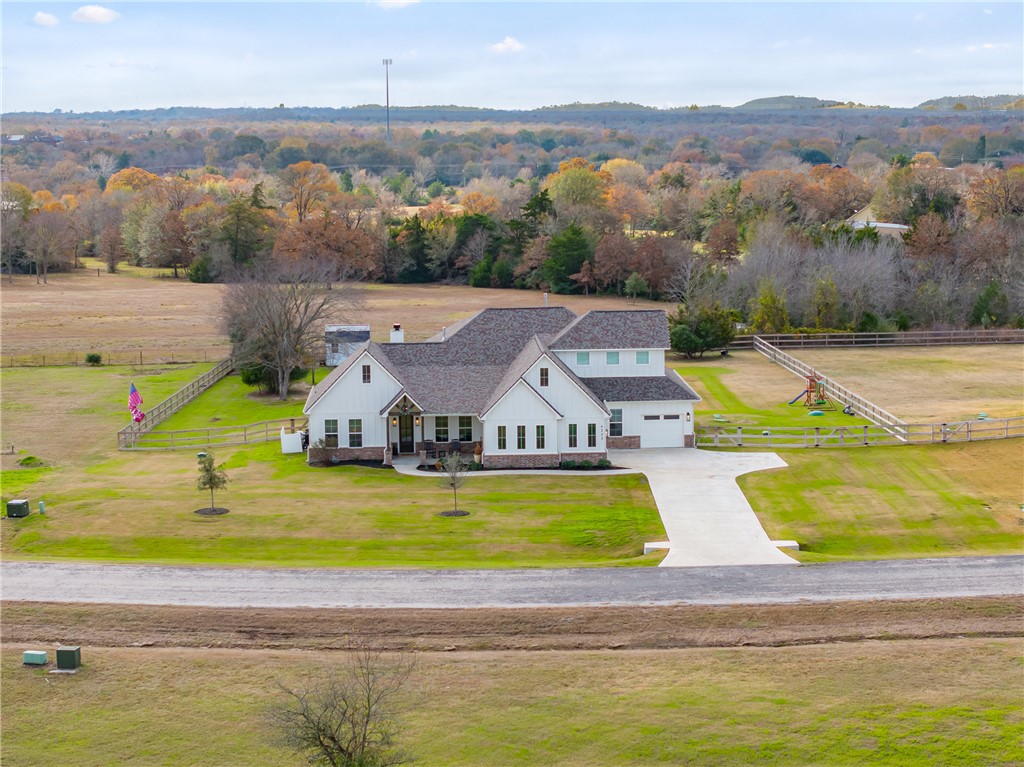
<point>511,629</point>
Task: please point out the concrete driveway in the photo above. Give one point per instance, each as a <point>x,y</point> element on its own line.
<point>707,518</point>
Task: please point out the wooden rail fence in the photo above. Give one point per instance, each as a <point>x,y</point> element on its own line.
<point>860,436</point>
<point>113,357</point>
<point>903,338</point>
<point>130,435</point>
<point>836,391</point>
<point>217,436</point>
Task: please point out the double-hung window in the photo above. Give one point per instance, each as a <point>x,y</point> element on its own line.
<point>355,432</point>
<point>331,432</point>
<point>591,435</point>
<point>441,428</point>
<point>520,438</point>
<point>573,439</point>
<point>366,374</point>
<point>615,425</point>
<point>502,438</point>
<point>540,436</point>
<point>465,428</point>
<point>544,377</point>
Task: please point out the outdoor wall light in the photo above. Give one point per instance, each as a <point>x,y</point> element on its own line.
<point>687,417</point>
<point>394,421</point>
<point>417,420</point>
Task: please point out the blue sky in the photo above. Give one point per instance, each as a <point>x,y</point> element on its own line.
<point>515,55</point>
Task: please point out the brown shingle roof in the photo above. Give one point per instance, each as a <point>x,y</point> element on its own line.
<point>600,329</point>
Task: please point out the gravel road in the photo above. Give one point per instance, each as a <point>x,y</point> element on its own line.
<point>754,584</point>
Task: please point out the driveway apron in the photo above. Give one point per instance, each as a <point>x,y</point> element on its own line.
<point>708,519</point>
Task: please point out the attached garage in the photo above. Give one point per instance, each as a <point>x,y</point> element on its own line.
<point>661,430</point>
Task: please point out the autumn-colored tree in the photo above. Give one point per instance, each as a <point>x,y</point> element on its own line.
<point>475,203</point>
<point>47,240</point>
<point>996,193</point>
<point>584,278</point>
<point>132,180</point>
<point>626,172</point>
<point>651,262</point>
<point>612,257</point>
<point>328,237</point>
<point>723,243</point>
<point>930,238</point>
<point>630,204</point>
<point>309,185</point>
<point>172,246</point>
<point>577,183</point>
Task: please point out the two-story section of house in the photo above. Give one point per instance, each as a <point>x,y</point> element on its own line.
<point>519,387</point>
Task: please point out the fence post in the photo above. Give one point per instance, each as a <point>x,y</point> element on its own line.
<point>739,435</point>
<point>817,436</point>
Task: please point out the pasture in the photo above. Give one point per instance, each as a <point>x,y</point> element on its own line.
<point>911,702</point>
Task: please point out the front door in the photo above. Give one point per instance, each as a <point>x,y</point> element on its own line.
<point>406,435</point>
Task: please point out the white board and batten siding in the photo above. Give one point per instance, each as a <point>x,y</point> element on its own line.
<point>649,421</point>
<point>351,398</point>
<point>598,366</point>
<point>521,406</point>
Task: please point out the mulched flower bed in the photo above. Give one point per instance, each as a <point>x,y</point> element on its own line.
<point>208,512</point>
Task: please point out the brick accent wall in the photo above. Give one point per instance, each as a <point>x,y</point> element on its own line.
<point>624,443</point>
<point>535,461</point>
<point>689,440</point>
<point>592,457</point>
<point>350,454</point>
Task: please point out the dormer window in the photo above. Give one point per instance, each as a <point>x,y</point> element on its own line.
<point>612,358</point>
<point>543,376</point>
<point>582,358</point>
<point>643,358</point>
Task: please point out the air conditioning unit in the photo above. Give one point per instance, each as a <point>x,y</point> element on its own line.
<point>18,508</point>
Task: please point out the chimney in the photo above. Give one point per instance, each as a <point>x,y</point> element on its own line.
<point>444,332</point>
<point>545,300</point>
<point>397,334</point>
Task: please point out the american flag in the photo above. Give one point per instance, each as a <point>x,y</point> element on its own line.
<point>134,400</point>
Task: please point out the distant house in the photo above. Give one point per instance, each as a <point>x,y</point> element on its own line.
<point>342,340</point>
<point>865,217</point>
<point>521,387</point>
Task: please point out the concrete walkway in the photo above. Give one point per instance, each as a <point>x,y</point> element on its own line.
<point>707,518</point>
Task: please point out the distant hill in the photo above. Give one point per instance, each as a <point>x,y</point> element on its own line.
<point>949,103</point>
<point>789,102</point>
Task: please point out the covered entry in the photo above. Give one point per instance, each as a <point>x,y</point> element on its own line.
<point>661,430</point>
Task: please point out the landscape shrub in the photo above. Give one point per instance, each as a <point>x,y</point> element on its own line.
<point>93,358</point>
<point>604,463</point>
<point>567,464</point>
<point>585,464</point>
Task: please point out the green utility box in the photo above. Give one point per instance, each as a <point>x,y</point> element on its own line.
<point>18,508</point>
<point>34,658</point>
<point>69,658</point>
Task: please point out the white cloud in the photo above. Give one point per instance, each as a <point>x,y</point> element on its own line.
<point>45,19</point>
<point>986,47</point>
<point>987,11</point>
<point>508,45</point>
<point>393,4</point>
<point>94,14</point>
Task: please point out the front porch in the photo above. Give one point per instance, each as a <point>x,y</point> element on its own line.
<point>413,432</point>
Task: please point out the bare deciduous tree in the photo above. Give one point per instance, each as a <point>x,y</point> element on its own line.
<point>274,313</point>
<point>454,468</point>
<point>347,717</point>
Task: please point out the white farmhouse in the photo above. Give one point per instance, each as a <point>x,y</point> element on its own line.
<point>523,387</point>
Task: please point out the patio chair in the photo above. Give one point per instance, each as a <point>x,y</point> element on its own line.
<point>456,446</point>
<point>430,448</point>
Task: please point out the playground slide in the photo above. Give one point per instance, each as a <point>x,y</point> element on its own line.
<point>798,396</point>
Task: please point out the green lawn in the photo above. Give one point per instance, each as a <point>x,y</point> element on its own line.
<point>229,402</point>
<point>871,503</point>
<point>723,389</point>
<point>138,507</point>
<point>927,703</point>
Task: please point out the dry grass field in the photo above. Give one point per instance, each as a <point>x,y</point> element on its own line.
<point>930,384</point>
<point>924,702</point>
<point>82,312</point>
